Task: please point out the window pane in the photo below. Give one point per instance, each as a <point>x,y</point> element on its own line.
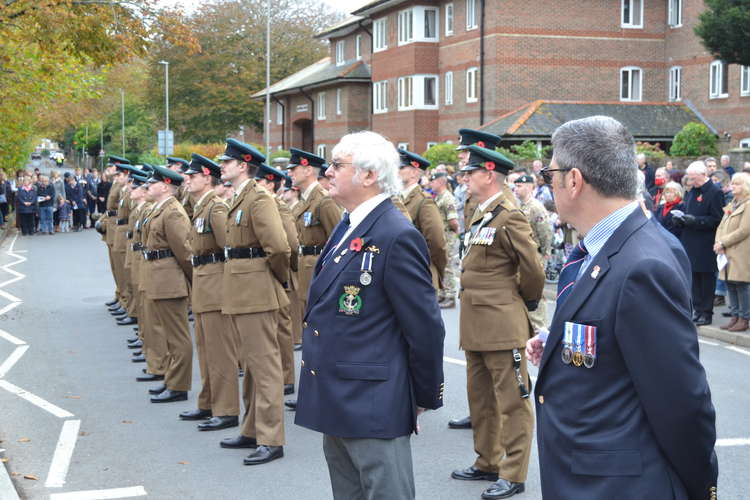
<point>449,18</point>
<point>430,30</point>
<point>636,12</point>
<point>626,12</point>
<point>625,90</point>
<point>429,92</point>
<point>636,93</point>
<point>724,79</point>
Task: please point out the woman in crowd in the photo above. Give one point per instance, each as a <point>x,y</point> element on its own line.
<point>46,199</point>
<point>74,193</point>
<point>59,186</point>
<point>661,178</point>
<point>671,199</point>
<point>6,196</point>
<point>733,241</point>
<point>92,184</point>
<point>27,203</point>
<point>102,191</point>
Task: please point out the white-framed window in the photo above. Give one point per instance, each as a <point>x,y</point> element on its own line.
<point>429,17</point>
<point>448,19</point>
<point>745,143</point>
<point>430,144</point>
<point>279,114</point>
<point>675,83</point>
<point>418,92</point>
<point>418,24</point>
<point>358,47</point>
<point>380,97</point>
<point>405,26</point>
<point>338,101</point>
<point>631,84</point>
<point>472,85</point>
<point>403,145</point>
<point>321,105</point>
<point>321,150</point>
<point>448,86</point>
<point>719,83</point>
<point>471,14</point>
<point>745,81</point>
<point>632,13</point>
<point>340,57</point>
<point>380,34</point>
<point>674,14</point>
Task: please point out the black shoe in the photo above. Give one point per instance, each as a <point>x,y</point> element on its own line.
<point>704,320</point>
<point>239,442</point>
<point>727,315</point>
<point>138,359</point>
<point>111,303</point>
<point>297,347</point>
<point>114,307</point>
<point>169,396</point>
<point>120,316</point>
<point>474,474</point>
<point>291,404</point>
<point>217,423</point>
<point>128,321</point>
<point>719,300</point>
<point>288,389</point>
<point>149,377</point>
<point>503,489</point>
<point>118,312</point>
<point>144,370</point>
<point>158,389</point>
<point>133,339</point>
<point>460,423</point>
<point>136,345</point>
<point>137,353</point>
<point>264,454</point>
<point>196,414</point>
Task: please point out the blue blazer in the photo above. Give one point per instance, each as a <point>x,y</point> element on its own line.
<point>640,423</point>
<point>372,353</point>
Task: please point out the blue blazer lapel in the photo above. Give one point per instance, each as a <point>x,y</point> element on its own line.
<point>589,279</point>
<point>325,276</point>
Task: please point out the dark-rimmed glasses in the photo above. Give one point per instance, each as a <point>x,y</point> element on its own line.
<point>546,173</point>
<point>338,164</point>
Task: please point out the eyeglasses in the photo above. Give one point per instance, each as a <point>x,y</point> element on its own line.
<point>546,173</point>
<point>338,164</point>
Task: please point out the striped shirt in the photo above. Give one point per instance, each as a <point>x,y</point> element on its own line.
<point>595,239</point>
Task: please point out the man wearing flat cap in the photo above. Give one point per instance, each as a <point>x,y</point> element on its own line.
<point>256,272</point>
<point>168,273</point>
<point>215,342</point>
<point>181,166</point>
<point>423,211</point>
<point>502,277</point>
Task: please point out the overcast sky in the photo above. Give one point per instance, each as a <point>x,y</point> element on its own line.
<point>342,5</point>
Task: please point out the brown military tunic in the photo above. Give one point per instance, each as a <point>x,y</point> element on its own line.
<point>215,342</point>
<point>119,247</point>
<point>500,272</point>
<point>167,282</point>
<point>289,318</point>
<point>426,218</point>
<point>187,201</point>
<point>253,293</point>
<point>399,203</point>
<point>131,256</point>
<point>154,341</point>
<point>110,222</point>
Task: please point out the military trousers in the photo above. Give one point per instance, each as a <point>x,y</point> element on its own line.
<point>452,273</point>
<point>263,387</point>
<point>118,268</point>
<point>286,344</point>
<point>216,345</point>
<point>502,422</point>
<point>171,317</point>
<point>114,273</point>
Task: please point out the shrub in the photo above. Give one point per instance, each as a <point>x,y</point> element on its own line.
<point>442,153</point>
<point>527,150</point>
<point>694,140</point>
<point>650,150</point>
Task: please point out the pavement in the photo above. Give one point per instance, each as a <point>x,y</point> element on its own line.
<point>76,425</point>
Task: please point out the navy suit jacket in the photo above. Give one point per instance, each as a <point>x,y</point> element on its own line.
<point>640,423</point>
<point>366,370</point>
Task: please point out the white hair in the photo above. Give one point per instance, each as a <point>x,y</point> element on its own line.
<point>371,151</point>
<point>724,157</point>
<point>697,167</point>
<point>640,156</point>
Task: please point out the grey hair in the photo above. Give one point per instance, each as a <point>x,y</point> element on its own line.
<point>697,167</point>
<point>603,150</point>
<point>371,151</point>
<point>676,187</point>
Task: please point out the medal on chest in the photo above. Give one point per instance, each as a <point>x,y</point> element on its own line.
<point>238,217</point>
<point>365,278</point>
<point>307,218</point>
<point>350,303</point>
<point>579,345</point>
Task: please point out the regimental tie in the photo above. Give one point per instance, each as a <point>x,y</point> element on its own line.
<point>336,236</point>
<point>569,272</point>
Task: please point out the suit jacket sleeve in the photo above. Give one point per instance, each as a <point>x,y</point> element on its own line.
<point>715,199</point>
<point>330,215</point>
<point>412,296</point>
<point>661,354</point>
<point>219,223</point>
<point>517,235</point>
<point>431,225</point>
<point>177,232</point>
<point>270,233</point>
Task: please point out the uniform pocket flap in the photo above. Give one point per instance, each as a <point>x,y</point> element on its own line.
<point>247,265</point>
<point>606,463</point>
<point>362,371</point>
<point>491,297</point>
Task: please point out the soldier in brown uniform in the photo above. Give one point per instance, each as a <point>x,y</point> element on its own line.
<point>168,272</point>
<point>107,222</point>
<point>424,212</point>
<point>255,275</point>
<point>502,277</point>
<point>120,248</point>
<point>271,179</point>
<point>180,166</point>
<point>135,255</point>
<point>116,259</point>
<point>215,342</point>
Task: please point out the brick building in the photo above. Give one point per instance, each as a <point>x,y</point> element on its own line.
<point>417,71</point>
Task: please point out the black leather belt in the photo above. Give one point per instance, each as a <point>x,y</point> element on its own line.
<point>310,250</point>
<point>111,213</point>
<point>122,222</point>
<point>243,253</point>
<point>136,247</point>
<point>199,260</point>
<point>157,254</point>
<point>129,234</point>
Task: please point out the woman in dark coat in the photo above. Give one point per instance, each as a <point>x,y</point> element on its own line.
<point>26,200</point>
<point>670,199</point>
<point>75,194</point>
<point>102,192</point>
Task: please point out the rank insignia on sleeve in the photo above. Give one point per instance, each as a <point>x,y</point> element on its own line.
<point>350,302</point>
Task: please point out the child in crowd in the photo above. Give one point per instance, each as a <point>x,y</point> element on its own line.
<point>66,214</point>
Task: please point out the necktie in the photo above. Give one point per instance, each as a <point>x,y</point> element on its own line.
<point>336,236</point>
<point>569,272</point>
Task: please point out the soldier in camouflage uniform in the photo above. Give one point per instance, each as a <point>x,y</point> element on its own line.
<point>541,231</point>
<point>447,205</point>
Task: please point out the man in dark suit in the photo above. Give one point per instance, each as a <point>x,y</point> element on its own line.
<point>623,406</point>
<point>704,208</point>
<point>373,335</point>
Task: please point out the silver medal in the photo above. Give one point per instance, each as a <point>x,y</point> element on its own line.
<point>365,278</point>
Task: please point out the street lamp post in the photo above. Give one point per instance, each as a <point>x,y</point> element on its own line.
<point>122,118</point>
<point>166,96</point>
<point>268,79</point>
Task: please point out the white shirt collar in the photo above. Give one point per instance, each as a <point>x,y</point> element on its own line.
<point>360,213</point>
<point>309,190</point>
<point>407,191</point>
<point>483,206</point>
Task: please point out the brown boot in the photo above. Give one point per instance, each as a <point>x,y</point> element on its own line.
<point>731,323</point>
<point>740,326</point>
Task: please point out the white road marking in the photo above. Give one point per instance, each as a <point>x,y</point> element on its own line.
<point>58,469</point>
<point>733,442</point>
<point>10,338</point>
<point>35,400</point>
<point>454,361</point>
<point>135,491</point>
<point>708,342</point>
<point>737,349</point>
<point>12,359</point>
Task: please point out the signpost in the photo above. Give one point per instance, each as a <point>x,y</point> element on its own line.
<point>166,142</point>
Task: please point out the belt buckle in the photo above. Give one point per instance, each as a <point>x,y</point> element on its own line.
<point>194,260</point>
<point>299,250</point>
<point>226,253</point>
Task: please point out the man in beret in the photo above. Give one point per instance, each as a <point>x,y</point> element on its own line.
<point>502,277</point>
<point>446,203</point>
<point>423,211</point>
<point>168,273</point>
<point>180,166</point>
<point>115,201</point>
<point>135,259</point>
<point>256,273</point>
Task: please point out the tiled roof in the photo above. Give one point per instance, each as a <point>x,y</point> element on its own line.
<point>319,73</point>
<point>342,28</point>
<point>645,120</point>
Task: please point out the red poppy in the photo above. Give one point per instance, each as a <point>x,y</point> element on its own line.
<point>356,245</point>
<point>269,177</point>
<point>480,144</point>
<point>167,180</point>
<point>206,171</point>
<point>247,157</point>
<point>415,164</point>
<point>700,198</point>
<point>304,162</point>
<point>489,165</point>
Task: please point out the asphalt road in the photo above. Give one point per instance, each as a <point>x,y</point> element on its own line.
<point>73,356</point>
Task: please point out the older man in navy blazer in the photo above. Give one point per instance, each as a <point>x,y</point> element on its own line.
<point>373,334</point>
<point>623,406</point>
